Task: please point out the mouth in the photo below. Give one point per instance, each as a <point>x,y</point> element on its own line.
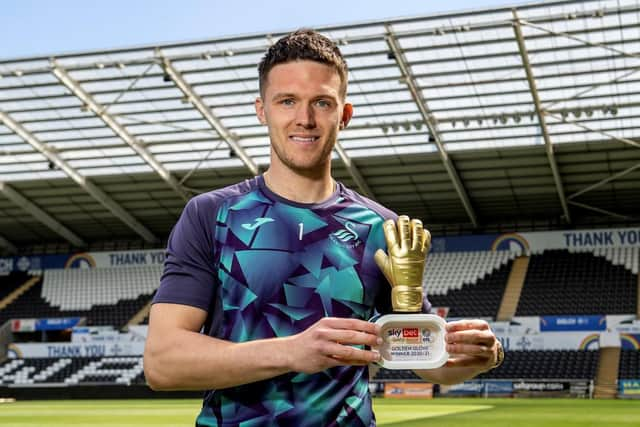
<point>304,139</point>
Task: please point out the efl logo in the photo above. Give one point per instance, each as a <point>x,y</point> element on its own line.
<point>410,333</point>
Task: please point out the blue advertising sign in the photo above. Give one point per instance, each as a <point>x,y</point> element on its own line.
<point>463,243</point>
<point>498,387</point>
<point>56,324</point>
<point>479,388</point>
<point>467,388</point>
<point>573,323</point>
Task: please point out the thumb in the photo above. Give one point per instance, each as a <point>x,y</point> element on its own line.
<point>382,260</point>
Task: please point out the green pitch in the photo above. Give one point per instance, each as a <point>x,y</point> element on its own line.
<point>390,413</point>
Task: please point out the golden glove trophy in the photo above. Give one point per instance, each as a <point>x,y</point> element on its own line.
<point>411,339</point>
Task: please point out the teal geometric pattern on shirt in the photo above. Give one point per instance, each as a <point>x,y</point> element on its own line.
<point>281,268</point>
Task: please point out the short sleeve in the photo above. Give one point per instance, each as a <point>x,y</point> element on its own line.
<point>189,268</point>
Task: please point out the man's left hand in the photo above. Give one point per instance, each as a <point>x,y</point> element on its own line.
<point>471,343</point>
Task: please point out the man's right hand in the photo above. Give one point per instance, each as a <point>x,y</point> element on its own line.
<point>330,342</point>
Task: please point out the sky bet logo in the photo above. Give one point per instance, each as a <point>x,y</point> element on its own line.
<point>403,333</point>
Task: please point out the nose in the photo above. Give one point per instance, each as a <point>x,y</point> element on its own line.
<point>305,116</point>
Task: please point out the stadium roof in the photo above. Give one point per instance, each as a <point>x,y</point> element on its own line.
<point>522,116</point>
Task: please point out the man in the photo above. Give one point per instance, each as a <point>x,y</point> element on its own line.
<point>269,283</point>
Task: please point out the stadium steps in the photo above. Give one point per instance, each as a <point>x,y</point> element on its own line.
<point>19,291</point>
<point>514,288</point>
<point>607,377</point>
<point>140,315</point>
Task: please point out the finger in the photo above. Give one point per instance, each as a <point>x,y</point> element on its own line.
<point>351,324</point>
<point>404,232</point>
<point>348,337</point>
<point>382,260</point>
<point>426,241</point>
<point>471,337</point>
<point>417,234</point>
<point>461,325</point>
<point>351,355</point>
<point>390,234</point>
<point>338,361</point>
<point>470,350</point>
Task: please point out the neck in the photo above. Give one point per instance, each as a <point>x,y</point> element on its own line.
<point>299,188</point>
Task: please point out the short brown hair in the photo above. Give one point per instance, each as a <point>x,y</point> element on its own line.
<point>304,44</point>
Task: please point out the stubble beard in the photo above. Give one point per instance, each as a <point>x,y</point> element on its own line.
<point>311,167</point>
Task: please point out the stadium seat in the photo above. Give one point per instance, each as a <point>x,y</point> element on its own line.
<point>561,282</point>
<point>72,371</point>
<point>471,284</point>
<point>109,307</point>
<point>546,364</point>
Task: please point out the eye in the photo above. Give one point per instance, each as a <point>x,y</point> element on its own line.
<point>323,103</point>
<point>287,101</point>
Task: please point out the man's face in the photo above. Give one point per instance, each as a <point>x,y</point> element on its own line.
<point>303,109</point>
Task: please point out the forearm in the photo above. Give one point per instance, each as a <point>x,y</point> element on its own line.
<point>186,360</point>
<point>178,357</point>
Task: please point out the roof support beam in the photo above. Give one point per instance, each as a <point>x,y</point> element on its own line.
<point>354,171</point>
<point>602,211</point>
<point>575,38</point>
<point>541,116</point>
<point>587,43</point>
<point>206,113</point>
<point>11,248</point>
<point>604,181</point>
<point>592,88</point>
<point>41,215</point>
<point>118,129</point>
<point>83,182</point>
<point>431,123</point>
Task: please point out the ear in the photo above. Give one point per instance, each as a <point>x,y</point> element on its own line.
<point>347,113</point>
<point>259,105</point>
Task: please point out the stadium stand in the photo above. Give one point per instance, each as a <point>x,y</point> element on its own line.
<point>629,364</point>
<point>526,364</point>
<point>547,364</point>
<point>471,284</point>
<point>559,282</point>
<point>73,371</point>
<point>104,296</point>
<point>628,257</point>
<point>81,289</point>
<point>11,282</point>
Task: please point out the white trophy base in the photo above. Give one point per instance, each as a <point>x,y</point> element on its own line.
<point>412,341</point>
